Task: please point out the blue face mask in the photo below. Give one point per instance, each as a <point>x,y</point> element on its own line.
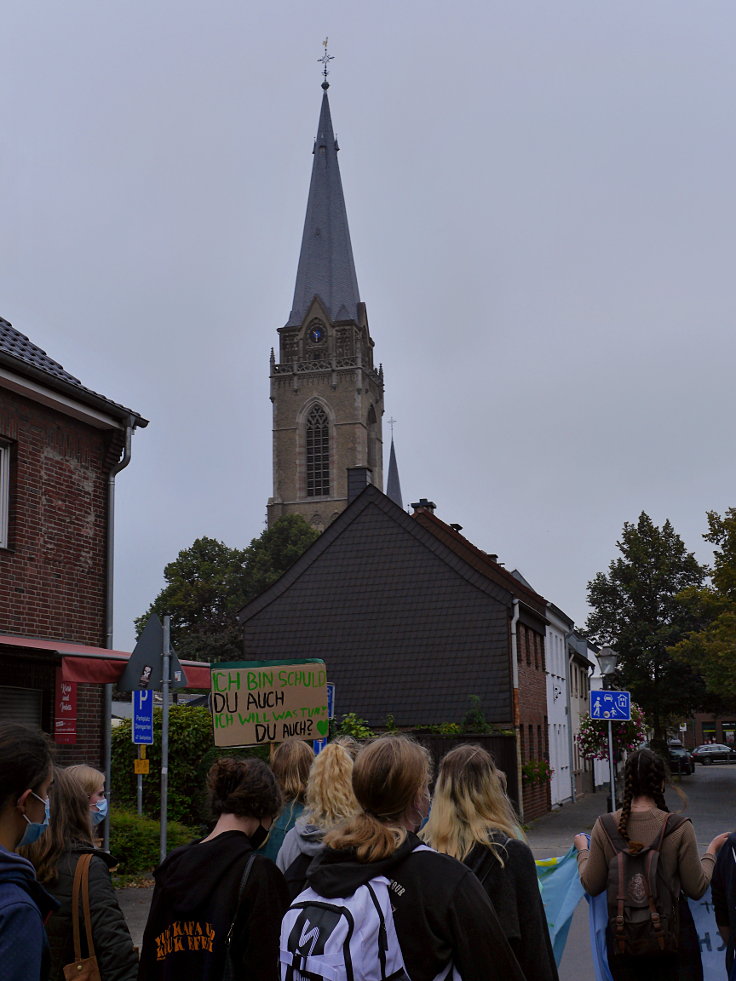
<point>34,830</point>
<point>98,813</point>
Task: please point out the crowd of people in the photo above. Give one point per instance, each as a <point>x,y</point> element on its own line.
<point>297,846</point>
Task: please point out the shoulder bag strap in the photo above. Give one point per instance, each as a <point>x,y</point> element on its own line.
<point>76,888</point>
<point>81,885</point>
<point>228,973</point>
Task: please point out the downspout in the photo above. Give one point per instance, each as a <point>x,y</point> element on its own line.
<point>516,711</point>
<point>568,709</point>
<point>109,571</point>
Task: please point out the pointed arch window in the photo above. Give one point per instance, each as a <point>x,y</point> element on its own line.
<point>318,453</point>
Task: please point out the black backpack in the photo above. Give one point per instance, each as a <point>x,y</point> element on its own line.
<point>643,906</point>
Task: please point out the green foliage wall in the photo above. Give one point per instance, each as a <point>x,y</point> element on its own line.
<point>191,754</point>
<point>135,842</point>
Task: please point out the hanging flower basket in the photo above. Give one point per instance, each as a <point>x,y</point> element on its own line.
<point>593,735</point>
<point>536,771</point>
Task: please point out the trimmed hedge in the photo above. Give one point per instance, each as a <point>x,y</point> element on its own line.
<point>135,841</point>
<point>191,754</point>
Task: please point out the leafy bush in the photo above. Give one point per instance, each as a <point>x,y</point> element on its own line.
<point>135,841</point>
<point>191,754</point>
<point>474,720</point>
<point>353,725</point>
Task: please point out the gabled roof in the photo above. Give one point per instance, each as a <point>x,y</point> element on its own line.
<point>326,268</point>
<point>482,561</point>
<point>404,624</point>
<point>21,356</point>
<point>371,496</point>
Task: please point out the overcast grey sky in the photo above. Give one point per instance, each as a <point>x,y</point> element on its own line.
<point>541,204</point>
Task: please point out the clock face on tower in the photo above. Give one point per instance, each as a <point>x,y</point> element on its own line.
<point>316,333</point>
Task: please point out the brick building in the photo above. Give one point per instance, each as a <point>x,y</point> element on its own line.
<point>412,619</point>
<point>61,446</point>
<point>326,391</point>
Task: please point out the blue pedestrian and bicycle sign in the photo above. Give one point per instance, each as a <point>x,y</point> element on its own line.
<point>613,706</point>
<point>142,728</point>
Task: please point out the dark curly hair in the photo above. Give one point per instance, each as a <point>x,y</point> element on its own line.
<point>644,776</point>
<point>245,787</point>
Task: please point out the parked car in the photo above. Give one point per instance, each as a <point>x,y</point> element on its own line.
<point>680,760</point>
<point>714,753</point>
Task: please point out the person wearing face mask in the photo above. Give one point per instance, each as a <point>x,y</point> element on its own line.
<point>93,784</point>
<point>221,886</point>
<point>55,856</point>
<point>25,779</point>
<point>441,912</point>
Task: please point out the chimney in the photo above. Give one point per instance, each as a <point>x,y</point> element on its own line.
<point>358,480</point>
<point>424,505</point>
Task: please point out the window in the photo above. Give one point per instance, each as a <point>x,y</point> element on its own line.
<point>372,424</point>
<point>4,493</point>
<point>318,453</point>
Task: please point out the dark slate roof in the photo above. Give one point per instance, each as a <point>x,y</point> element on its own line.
<point>480,560</point>
<point>326,267</point>
<point>21,355</point>
<point>393,486</point>
<point>404,624</point>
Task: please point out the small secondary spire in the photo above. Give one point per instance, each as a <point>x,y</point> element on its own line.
<point>324,61</point>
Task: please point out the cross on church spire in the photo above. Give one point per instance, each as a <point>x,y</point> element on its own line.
<point>324,61</point>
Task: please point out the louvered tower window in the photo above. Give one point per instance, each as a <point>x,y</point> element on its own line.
<point>318,453</point>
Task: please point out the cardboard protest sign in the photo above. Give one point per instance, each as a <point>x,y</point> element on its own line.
<point>256,702</point>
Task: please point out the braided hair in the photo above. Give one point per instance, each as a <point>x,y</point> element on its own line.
<point>644,776</point>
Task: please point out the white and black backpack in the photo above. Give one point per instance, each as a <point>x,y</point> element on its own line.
<point>349,938</point>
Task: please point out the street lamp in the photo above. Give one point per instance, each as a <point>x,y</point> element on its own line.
<point>607,660</point>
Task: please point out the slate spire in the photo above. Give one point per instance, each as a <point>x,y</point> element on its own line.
<point>393,487</point>
<point>326,267</point>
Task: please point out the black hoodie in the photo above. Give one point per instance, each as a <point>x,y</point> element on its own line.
<point>441,911</point>
<point>193,905</point>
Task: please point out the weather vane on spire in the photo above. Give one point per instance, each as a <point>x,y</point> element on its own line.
<point>324,61</point>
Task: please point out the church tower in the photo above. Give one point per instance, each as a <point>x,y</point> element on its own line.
<point>326,392</point>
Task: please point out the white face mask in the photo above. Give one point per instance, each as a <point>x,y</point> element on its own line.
<point>98,813</point>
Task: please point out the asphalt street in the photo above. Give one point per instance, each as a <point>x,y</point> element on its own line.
<point>709,800</point>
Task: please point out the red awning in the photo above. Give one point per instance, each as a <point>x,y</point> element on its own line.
<point>98,665</point>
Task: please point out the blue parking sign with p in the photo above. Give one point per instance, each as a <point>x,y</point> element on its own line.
<point>142,728</point>
<point>613,706</point>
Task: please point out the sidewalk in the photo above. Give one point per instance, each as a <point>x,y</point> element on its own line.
<point>552,834</point>
<point>548,836</point>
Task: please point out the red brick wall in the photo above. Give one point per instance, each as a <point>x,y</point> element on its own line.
<point>52,577</point>
<point>533,715</point>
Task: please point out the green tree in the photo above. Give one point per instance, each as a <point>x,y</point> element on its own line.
<point>711,647</point>
<point>209,582</point>
<point>636,610</point>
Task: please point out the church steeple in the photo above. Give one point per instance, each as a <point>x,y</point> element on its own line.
<point>327,395</point>
<point>326,267</point>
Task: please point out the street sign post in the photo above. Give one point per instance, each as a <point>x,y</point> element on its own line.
<point>142,734</point>
<point>319,744</point>
<point>610,705</point>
